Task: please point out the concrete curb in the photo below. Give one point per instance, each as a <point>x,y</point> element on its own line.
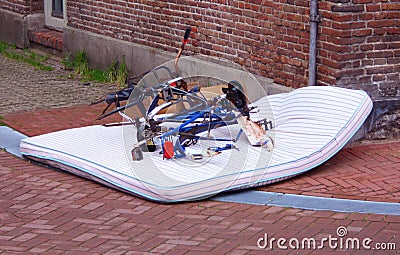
<point>10,140</point>
<point>255,197</point>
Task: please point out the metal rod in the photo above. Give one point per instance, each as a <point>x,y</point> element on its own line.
<point>312,64</point>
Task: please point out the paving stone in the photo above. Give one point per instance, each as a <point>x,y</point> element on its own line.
<point>22,87</point>
<point>52,212</point>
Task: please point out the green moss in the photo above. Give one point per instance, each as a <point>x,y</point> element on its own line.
<point>80,66</point>
<point>97,75</point>
<point>2,123</point>
<point>118,73</point>
<point>26,56</point>
<point>68,62</point>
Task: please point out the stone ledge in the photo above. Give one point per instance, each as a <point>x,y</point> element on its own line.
<point>383,123</point>
<point>102,50</point>
<point>13,29</point>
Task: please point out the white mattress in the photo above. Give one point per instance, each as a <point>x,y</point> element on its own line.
<point>310,125</point>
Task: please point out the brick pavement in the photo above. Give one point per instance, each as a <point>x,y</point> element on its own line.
<point>369,172</point>
<point>43,121</point>
<point>360,172</point>
<point>48,211</point>
<point>52,212</point>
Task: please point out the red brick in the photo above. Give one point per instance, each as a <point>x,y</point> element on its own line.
<point>101,219</point>
<point>24,237</point>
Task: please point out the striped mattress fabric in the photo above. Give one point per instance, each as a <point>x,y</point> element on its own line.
<point>310,125</point>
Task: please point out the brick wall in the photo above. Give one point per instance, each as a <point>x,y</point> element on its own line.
<point>290,42</point>
<point>269,38</point>
<point>24,7</point>
<point>360,45</point>
<point>358,40</point>
<point>36,6</point>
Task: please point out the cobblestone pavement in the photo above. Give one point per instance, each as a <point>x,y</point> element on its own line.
<point>43,210</point>
<point>22,87</point>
